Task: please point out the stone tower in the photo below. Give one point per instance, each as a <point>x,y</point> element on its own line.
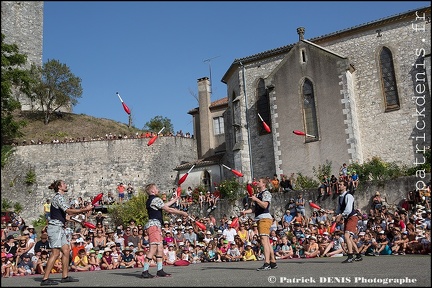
<point>22,24</point>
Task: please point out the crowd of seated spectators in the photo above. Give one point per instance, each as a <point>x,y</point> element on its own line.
<point>380,232</point>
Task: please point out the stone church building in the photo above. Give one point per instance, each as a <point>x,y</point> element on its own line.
<point>362,92</point>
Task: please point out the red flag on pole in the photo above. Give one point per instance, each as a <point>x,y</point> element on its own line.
<point>125,107</point>
<point>235,172</point>
<point>266,127</point>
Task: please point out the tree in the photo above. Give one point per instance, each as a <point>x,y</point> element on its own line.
<point>57,87</point>
<point>13,78</point>
<point>157,123</point>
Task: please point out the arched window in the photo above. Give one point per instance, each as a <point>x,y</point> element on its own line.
<point>206,180</point>
<point>236,118</point>
<point>309,111</point>
<point>263,106</point>
<point>388,80</point>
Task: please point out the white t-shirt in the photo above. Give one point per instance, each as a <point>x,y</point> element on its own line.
<point>229,234</point>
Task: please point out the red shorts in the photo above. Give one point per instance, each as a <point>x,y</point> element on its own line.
<point>351,224</point>
<point>155,235</point>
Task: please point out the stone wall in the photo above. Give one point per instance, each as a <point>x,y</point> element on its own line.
<point>92,167</point>
<point>393,191</point>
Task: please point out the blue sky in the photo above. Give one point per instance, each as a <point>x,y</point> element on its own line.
<point>152,53</point>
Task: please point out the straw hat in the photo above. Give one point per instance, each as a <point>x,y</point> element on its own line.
<point>127,249</point>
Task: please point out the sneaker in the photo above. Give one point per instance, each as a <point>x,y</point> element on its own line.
<point>273,265</point>
<point>266,266</point>
<point>69,279</point>
<point>162,273</point>
<point>348,260</point>
<point>402,253</point>
<point>358,258</point>
<point>47,282</point>
<point>376,254</point>
<point>146,274</point>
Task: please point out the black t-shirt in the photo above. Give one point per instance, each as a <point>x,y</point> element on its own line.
<point>11,248</point>
<point>42,245</point>
<point>100,219</point>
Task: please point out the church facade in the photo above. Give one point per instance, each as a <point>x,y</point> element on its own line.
<point>358,93</point>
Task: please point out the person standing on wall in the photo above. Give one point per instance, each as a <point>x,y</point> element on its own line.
<point>155,206</point>
<point>346,212</point>
<point>261,206</point>
<point>57,238</point>
<point>47,207</point>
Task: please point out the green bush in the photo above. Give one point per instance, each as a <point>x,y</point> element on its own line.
<point>6,204</point>
<point>305,182</point>
<point>6,151</point>
<point>133,209</point>
<point>230,189</point>
<point>322,170</point>
<point>30,177</point>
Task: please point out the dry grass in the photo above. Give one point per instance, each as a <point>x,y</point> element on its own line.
<point>69,126</point>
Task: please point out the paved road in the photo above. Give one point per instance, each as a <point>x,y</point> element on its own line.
<point>413,270</point>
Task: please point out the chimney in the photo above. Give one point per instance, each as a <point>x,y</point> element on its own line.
<point>300,32</point>
<point>204,116</point>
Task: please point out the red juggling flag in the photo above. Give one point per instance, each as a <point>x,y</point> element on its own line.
<point>199,224</point>
<point>301,133</point>
<point>125,107</point>
<point>89,225</point>
<point>153,139</point>
<point>333,227</point>
<point>183,178</point>
<point>235,172</point>
<point>97,198</point>
<point>266,127</point>
<point>179,191</point>
<point>313,205</point>
<point>249,190</point>
<point>234,222</point>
